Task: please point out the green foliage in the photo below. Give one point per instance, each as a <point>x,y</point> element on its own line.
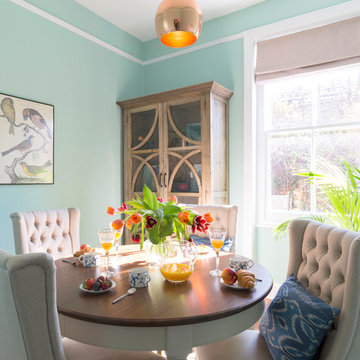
<point>165,214</point>
<point>341,187</point>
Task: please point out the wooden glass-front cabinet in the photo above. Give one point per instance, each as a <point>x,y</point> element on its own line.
<point>175,142</point>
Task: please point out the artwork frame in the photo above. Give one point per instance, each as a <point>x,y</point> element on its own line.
<point>26,141</point>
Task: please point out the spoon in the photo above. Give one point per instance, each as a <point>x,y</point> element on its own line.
<point>129,292</point>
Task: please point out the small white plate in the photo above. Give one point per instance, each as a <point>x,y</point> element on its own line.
<point>113,285</point>
<point>235,286</point>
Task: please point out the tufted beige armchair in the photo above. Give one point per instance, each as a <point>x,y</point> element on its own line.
<point>29,325</point>
<point>225,217</point>
<point>55,232</point>
<point>326,260</point>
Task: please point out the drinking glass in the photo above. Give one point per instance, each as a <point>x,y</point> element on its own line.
<point>118,234</point>
<point>106,237</point>
<point>217,238</point>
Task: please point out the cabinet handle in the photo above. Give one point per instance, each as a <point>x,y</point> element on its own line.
<point>160,179</point>
<point>164,180</point>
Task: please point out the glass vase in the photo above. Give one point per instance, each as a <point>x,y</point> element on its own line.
<point>154,253</point>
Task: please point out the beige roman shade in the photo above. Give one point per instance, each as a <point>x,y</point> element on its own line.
<point>326,46</point>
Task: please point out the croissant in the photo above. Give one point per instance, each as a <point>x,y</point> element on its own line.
<point>245,279</point>
<point>78,253</point>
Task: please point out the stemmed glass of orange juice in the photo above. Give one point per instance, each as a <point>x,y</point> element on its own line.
<point>118,234</point>
<point>217,238</point>
<point>106,237</point>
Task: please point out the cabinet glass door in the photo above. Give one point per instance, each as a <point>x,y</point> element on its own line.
<point>145,130</point>
<point>145,171</point>
<point>145,150</point>
<point>184,124</point>
<point>183,151</point>
<point>185,175</point>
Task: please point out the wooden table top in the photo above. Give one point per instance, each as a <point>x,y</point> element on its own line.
<point>201,298</point>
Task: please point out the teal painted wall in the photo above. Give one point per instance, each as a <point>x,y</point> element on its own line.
<point>224,64</point>
<point>44,62</point>
<point>82,18</point>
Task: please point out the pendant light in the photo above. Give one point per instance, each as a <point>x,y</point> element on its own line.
<point>178,22</point>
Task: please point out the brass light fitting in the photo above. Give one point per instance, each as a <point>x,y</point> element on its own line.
<point>178,22</point>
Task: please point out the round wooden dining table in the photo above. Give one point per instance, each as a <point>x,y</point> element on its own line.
<point>161,316</point>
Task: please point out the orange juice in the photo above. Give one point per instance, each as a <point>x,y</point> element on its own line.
<point>217,243</point>
<point>117,237</point>
<point>106,245</point>
<point>176,272</point>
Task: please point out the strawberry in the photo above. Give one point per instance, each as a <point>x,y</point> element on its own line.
<point>89,283</point>
<point>101,278</point>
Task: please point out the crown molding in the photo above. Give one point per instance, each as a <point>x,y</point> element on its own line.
<point>76,30</point>
<point>352,5</point>
<point>113,48</point>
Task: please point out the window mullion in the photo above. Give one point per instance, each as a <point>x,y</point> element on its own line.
<point>314,122</point>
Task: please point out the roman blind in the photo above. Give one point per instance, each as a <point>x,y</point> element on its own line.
<point>326,46</point>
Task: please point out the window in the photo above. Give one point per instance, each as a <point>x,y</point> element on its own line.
<point>304,120</point>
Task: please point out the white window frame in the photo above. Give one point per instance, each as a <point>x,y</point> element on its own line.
<point>251,37</point>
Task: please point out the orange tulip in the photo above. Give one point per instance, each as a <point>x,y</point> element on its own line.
<point>184,217</point>
<point>110,210</point>
<point>174,199</point>
<point>117,224</point>
<point>208,217</point>
<point>136,218</point>
<point>129,224</point>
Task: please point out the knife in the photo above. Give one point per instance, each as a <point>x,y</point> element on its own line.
<point>69,262</point>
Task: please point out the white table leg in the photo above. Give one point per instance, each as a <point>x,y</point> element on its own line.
<point>179,342</point>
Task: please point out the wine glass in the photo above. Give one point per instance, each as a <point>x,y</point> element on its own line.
<point>118,234</point>
<point>106,237</point>
<point>217,238</point>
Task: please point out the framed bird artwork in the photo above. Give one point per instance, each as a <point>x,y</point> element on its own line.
<point>26,141</point>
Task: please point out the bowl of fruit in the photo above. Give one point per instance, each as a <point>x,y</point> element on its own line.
<point>98,285</point>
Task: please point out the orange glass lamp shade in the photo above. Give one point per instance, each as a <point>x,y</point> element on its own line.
<point>178,22</point>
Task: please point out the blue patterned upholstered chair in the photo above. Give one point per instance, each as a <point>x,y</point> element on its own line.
<point>29,326</point>
<point>55,232</point>
<point>326,261</point>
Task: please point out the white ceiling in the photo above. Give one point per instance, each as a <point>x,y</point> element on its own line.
<point>137,17</point>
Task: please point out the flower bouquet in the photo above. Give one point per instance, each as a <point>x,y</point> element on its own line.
<point>158,218</point>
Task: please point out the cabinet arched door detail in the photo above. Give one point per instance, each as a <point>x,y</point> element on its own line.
<point>145,172</point>
<point>144,129</point>
<point>184,177</point>
<point>181,135</point>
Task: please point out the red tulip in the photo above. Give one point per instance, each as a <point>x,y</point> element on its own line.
<point>199,224</point>
<point>150,222</point>
<point>136,238</point>
<point>123,207</point>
